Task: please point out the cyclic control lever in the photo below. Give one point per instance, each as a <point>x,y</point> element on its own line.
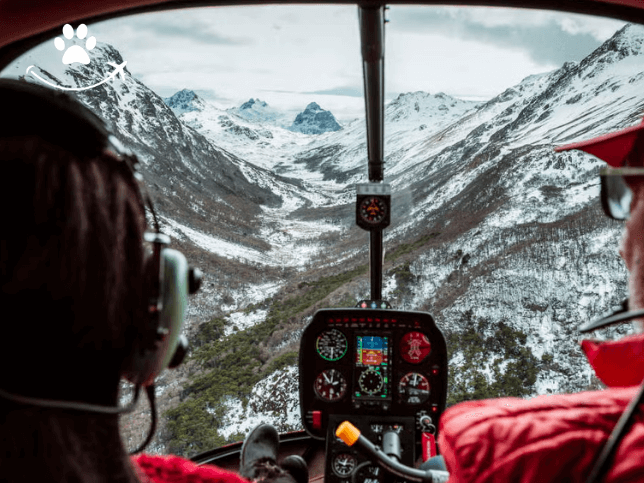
<point>348,433</point>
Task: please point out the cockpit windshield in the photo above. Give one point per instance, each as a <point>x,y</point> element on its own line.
<point>250,126</point>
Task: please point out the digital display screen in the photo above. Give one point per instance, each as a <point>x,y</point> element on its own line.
<point>372,371</point>
<point>372,350</point>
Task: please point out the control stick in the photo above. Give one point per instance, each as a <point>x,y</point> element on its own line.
<point>348,433</point>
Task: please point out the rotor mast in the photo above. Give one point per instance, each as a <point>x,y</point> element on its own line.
<point>372,37</point>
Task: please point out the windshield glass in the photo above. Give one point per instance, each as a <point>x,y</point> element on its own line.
<point>250,124</point>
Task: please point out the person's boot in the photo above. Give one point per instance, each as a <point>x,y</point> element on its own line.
<point>297,467</point>
<point>258,459</point>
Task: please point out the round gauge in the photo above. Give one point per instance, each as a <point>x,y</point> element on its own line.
<point>373,209</point>
<point>330,385</point>
<point>414,347</point>
<point>413,388</point>
<point>331,345</point>
<point>344,464</point>
<point>370,382</point>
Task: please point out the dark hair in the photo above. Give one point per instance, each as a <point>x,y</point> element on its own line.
<point>72,270</point>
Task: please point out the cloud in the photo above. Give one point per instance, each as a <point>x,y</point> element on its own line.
<point>350,91</point>
<point>308,51</point>
<point>149,30</point>
<point>195,31</point>
<point>546,37</point>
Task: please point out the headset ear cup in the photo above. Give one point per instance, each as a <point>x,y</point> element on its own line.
<point>160,343</point>
<point>176,282</point>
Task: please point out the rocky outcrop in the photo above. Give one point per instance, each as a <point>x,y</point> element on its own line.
<point>315,120</point>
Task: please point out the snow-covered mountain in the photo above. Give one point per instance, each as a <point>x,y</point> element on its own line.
<point>184,101</point>
<point>419,110</point>
<point>259,111</point>
<point>254,134</point>
<point>340,156</point>
<point>314,120</point>
<point>222,206</point>
<point>488,224</point>
<point>176,158</point>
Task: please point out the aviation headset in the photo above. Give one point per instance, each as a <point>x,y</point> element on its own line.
<point>55,117</point>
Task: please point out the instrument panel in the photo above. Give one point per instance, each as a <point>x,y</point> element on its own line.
<point>377,368</point>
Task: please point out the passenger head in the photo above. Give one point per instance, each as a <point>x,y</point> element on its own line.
<point>624,149</point>
<point>632,244</point>
<point>72,259</point>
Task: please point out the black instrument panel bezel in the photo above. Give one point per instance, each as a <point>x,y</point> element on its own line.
<point>358,321</point>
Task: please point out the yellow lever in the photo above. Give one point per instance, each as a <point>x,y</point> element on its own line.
<point>348,433</point>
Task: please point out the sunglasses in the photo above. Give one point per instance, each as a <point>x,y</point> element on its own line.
<point>616,195</point>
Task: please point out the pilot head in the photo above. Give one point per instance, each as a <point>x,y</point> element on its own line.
<point>72,259</point>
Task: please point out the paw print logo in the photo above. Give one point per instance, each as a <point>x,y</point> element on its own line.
<point>75,53</point>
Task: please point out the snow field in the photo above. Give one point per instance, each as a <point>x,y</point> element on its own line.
<point>274,400</point>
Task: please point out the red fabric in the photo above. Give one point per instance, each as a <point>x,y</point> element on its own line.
<point>542,440</point>
<point>547,438</point>
<point>174,469</point>
<point>612,148</point>
<point>617,363</point>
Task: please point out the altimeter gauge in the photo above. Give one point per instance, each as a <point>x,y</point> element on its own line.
<point>330,385</point>
<point>331,345</point>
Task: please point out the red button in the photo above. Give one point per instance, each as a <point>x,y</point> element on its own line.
<point>317,419</point>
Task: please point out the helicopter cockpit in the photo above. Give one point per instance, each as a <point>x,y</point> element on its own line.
<point>383,371</point>
<point>374,199</point>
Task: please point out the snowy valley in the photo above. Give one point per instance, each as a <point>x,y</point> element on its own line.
<point>490,228</point>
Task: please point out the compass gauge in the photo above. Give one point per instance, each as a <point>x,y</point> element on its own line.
<point>370,382</point>
<point>331,345</point>
<point>330,385</point>
<point>373,210</point>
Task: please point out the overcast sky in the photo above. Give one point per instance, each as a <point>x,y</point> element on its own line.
<point>292,55</point>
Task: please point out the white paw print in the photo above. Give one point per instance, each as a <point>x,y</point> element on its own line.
<point>75,53</point>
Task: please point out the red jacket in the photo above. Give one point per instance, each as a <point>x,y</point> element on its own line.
<point>551,438</point>
<point>174,469</point>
